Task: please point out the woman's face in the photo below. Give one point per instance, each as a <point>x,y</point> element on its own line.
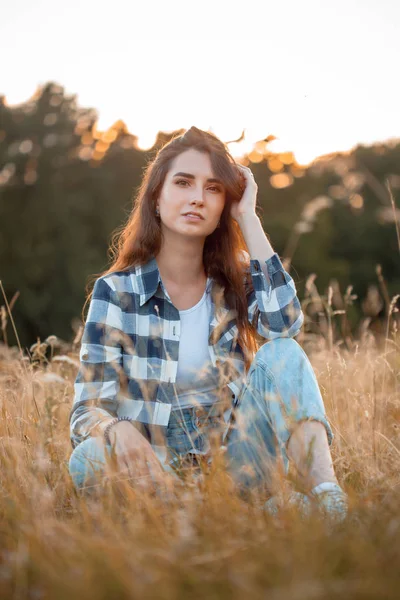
<point>191,186</point>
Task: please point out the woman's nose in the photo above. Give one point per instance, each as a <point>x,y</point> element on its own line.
<point>198,196</point>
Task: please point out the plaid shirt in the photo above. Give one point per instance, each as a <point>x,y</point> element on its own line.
<point>130,344</point>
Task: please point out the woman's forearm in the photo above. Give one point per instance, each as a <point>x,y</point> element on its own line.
<point>256,240</point>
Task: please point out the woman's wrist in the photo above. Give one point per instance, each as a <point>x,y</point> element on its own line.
<point>98,429</point>
<point>109,430</point>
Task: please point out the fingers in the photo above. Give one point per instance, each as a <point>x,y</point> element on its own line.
<point>240,171</point>
<point>243,171</point>
<point>155,465</point>
<point>143,468</point>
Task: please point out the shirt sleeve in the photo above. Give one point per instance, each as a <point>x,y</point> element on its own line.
<point>97,383</point>
<point>274,307</point>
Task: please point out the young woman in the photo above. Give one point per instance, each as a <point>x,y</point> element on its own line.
<point>174,347</point>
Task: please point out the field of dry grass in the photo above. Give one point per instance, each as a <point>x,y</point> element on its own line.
<point>205,541</point>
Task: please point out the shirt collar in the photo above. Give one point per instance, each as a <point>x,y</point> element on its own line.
<point>149,279</point>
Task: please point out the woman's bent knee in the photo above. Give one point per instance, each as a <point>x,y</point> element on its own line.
<point>88,461</point>
<point>282,370</point>
<point>278,348</point>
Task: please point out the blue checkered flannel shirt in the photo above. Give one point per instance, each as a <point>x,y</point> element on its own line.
<point>130,344</point>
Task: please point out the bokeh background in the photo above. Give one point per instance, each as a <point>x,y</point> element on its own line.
<point>302,92</point>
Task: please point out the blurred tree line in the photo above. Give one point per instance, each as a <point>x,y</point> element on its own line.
<point>65,187</point>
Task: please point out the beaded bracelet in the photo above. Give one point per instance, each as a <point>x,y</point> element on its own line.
<point>107,429</point>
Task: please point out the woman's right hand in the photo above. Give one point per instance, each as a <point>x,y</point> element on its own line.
<point>135,456</point>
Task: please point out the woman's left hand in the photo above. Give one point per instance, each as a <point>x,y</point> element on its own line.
<point>247,203</point>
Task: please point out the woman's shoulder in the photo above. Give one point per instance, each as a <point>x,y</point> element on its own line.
<point>122,282</point>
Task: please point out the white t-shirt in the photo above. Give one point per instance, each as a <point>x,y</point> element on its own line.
<point>197,379</point>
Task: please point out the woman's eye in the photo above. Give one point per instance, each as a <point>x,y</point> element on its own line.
<point>210,188</point>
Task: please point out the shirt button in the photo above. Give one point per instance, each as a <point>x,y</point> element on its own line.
<point>85,355</point>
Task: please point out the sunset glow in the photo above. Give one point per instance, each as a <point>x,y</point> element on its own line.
<point>316,89</point>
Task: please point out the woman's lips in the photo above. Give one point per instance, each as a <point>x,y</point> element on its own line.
<point>193,218</point>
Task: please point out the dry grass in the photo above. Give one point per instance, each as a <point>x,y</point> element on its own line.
<point>204,541</point>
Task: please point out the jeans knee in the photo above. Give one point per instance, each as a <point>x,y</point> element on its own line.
<point>87,459</point>
<point>277,349</point>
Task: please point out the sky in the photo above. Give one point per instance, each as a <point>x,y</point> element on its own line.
<point>320,76</point>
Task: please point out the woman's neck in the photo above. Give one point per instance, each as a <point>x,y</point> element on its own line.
<point>181,264</point>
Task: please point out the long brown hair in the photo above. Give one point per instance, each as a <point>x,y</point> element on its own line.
<point>137,241</point>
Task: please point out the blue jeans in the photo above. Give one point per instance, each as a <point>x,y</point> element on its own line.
<point>280,390</point>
